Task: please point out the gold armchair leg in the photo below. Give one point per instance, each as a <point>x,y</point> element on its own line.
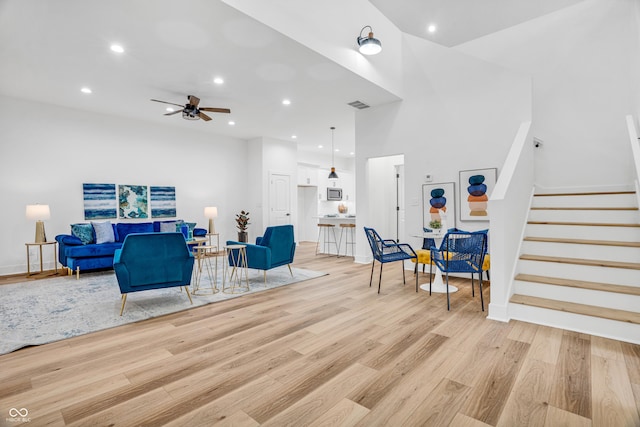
<point>124,300</point>
<point>265,277</point>
<point>188,294</point>
<point>290,271</point>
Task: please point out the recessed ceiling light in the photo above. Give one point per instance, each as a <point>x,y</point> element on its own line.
<point>432,28</point>
<point>351,153</point>
<point>171,110</point>
<point>337,149</point>
<point>319,146</point>
<point>117,48</point>
<point>85,90</point>
<point>294,136</point>
<point>286,102</point>
<point>218,80</point>
<point>231,123</point>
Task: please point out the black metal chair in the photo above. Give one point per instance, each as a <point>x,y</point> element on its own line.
<point>461,252</point>
<point>387,251</point>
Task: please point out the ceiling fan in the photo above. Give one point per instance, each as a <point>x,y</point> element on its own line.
<point>191,111</point>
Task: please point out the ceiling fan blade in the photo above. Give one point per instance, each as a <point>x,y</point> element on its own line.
<point>194,100</point>
<point>216,110</point>
<point>173,112</point>
<point>204,117</point>
<point>171,103</point>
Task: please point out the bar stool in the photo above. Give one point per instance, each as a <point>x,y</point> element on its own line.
<point>327,237</point>
<point>350,238</point>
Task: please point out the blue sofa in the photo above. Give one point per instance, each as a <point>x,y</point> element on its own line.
<point>152,261</point>
<point>76,255</point>
<point>275,248</point>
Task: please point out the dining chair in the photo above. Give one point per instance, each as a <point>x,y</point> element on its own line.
<point>461,252</point>
<point>385,251</point>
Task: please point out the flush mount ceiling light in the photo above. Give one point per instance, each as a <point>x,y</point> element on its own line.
<point>333,175</point>
<point>369,45</point>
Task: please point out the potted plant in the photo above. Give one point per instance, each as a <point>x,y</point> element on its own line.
<point>436,225</point>
<point>242,221</point>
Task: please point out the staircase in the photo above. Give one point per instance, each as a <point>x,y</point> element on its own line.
<point>579,267</point>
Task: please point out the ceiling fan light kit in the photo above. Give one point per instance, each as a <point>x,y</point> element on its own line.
<point>191,111</point>
<point>368,45</point>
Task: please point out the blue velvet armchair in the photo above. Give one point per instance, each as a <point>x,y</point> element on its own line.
<point>274,249</point>
<point>152,261</point>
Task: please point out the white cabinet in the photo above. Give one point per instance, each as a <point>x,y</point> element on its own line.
<point>307,175</point>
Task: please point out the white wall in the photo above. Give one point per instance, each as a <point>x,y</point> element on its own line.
<point>585,64</point>
<point>461,113</point>
<point>48,152</point>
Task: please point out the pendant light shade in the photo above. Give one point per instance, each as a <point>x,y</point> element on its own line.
<point>333,175</point>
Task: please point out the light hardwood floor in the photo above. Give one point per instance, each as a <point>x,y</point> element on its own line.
<point>328,352</point>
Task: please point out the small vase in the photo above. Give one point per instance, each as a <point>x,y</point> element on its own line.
<point>243,236</point>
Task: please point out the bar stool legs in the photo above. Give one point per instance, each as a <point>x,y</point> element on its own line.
<point>326,240</point>
<point>349,238</point>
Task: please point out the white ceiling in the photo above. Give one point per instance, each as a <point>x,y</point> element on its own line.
<point>49,50</point>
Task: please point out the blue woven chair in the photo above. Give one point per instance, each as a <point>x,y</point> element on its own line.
<point>461,252</point>
<point>387,251</point>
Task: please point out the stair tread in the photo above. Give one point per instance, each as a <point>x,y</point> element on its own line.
<point>583,241</point>
<point>588,224</point>
<point>585,208</point>
<point>581,284</point>
<point>587,193</point>
<point>579,261</point>
<point>571,307</point>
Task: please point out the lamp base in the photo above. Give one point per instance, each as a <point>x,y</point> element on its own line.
<point>41,236</point>
<point>212,228</point>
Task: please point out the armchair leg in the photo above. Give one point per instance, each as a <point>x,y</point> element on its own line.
<point>448,304</point>
<point>188,294</point>
<point>265,277</point>
<point>124,300</point>
<point>430,272</point>
<point>473,292</point>
<point>481,297</point>
<point>290,271</point>
<point>373,263</point>
<point>380,278</point>
<point>404,281</point>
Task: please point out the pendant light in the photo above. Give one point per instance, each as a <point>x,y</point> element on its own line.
<point>333,175</point>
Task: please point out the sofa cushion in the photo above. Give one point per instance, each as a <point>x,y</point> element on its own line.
<point>86,251</point>
<point>169,226</point>
<point>125,228</point>
<point>104,232</point>
<point>84,232</point>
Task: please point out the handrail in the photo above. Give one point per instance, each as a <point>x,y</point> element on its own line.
<point>635,150</point>
<point>509,207</point>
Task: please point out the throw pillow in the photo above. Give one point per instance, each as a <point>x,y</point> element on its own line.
<point>168,226</point>
<point>104,232</point>
<point>84,232</point>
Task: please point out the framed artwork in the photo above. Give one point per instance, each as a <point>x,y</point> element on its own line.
<point>133,201</point>
<point>99,201</point>
<point>439,204</point>
<point>476,186</point>
<point>163,202</point>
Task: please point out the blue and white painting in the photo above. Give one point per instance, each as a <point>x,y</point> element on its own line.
<point>99,201</point>
<point>133,201</point>
<point>163,202</point>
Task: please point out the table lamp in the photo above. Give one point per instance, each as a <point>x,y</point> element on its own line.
<point>211,212</point>
<point>39,213</point>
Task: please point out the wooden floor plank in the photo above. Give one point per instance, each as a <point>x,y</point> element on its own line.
<point>329,351</point>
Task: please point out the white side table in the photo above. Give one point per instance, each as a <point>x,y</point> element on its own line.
<point>438,285</point>
<point>233,281</point>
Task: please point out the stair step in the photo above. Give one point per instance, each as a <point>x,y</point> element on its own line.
<point>589,224</point>
<point>578,261</point>
<point>623,234</point>
<point>595,286</point>
<point>586,200</point>
<point>582,241</point>
<point>569,307</point>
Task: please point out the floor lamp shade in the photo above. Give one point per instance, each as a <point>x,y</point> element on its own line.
<point>211,212</point>
<point>39,213</point>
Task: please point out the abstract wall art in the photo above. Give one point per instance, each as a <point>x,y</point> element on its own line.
<point>439,204</point>
<point>163,202</point>
<point>100,201</point>
<point>133,201</point>
<point>475,189</point>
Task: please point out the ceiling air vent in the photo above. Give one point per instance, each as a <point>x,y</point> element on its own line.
<point>359,105</point>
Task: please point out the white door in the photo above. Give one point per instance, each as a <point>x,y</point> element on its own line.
<point>279,199</point>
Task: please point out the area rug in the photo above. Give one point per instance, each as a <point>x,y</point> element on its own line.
<point>42,311</point>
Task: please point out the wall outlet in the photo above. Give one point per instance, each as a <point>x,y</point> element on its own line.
<point>428,178</point>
